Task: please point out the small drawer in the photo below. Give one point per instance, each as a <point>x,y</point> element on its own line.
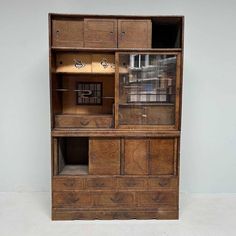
<point>100,183</point>
<point>80,121</point>
<point>156,183</point>
<point>61,184</point>
<point>132,183</point>
<point>74,63</point>
<point>152,198</point>
<point>113,199</point>
<point>103,63</point>
<point>75,199</point>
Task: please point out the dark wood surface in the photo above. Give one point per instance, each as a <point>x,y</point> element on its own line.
<point>103,168</point>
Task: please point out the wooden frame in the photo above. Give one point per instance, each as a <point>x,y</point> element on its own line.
<point>132,170</point>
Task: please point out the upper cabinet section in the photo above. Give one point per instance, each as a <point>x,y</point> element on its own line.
<point>116,32</point>
<point>134,33</point>
<point>100,33</point>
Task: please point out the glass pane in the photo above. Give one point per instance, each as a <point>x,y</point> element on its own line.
<point>147,89</point>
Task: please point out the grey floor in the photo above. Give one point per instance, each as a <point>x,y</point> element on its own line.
<point>29,214</point>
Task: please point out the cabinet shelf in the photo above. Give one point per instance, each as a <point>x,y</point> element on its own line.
<point>145,104</point>
<point>74,170</point>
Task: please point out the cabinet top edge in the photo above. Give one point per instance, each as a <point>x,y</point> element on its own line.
<point>69,15</point>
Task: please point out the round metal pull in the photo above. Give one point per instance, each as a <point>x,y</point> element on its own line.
<point>79,64</point>
<point>104,63</point>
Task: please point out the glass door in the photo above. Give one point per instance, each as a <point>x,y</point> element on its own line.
<point>147,89</point>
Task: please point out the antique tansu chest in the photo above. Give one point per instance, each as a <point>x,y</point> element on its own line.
<point>116,88</point>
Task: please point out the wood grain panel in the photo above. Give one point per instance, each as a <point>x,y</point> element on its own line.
<point>104,156</point>
<point>136,156</point>
<point>134,33</point>
<point>162,156</point>
<point>68,32</point>
<point>100,33</point>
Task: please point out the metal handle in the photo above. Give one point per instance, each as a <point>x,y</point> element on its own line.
<point>104,63</point>
<point>79,64</point>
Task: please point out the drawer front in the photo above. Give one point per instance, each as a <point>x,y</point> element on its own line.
<point>163,153</point>
<point>155,198</point>
<point>76,121</point>
<point>103,63</point>
<point>74,63</point>
<point>131,116</point>
<point>156,183</point>
<point>61,184</point>
<point>100,33</point>
<point>113,199</point>
<point>132,183</point>
<point>104,156</point>
<point>68,33</point>
<point>100,183</point>
<point>73,199</point>
<point>136,156</point>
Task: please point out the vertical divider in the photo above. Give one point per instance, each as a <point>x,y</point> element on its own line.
<point>148,156</point>
<point>116,110</point>
<point>122,156</point>
<point>55,156</point>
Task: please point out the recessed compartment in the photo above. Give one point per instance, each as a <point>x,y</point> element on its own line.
<point>167,32</point>
<point>72,155</point>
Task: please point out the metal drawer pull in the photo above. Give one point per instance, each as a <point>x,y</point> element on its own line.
<point>79,64</point>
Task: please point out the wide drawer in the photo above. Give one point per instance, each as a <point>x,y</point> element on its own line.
<point>80,121</point>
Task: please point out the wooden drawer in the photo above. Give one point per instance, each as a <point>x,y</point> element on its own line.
<point>74,62</point>
<point>152,198</point>
<point>61,184</point>
<point>134,33</point>
<point>132,183</point>
<point>100,183</point>
<point>136,156</point>
<point>103,63</point>
<point>113,199</point>
<point>131,115</point>
<point>100,33</point>
<point>83,121</point>
<point>156,183</point>
<point>68,32</point>
<point>74,199</point>
<point>104,156</point>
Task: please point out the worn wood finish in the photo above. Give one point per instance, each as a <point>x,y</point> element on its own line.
<point>162,156</point>
<point>135,156</point>
<point>111,162</point>
<point>100,33</point>
<point>68,32</point>
<point>104,150</point>
<point>83,121</point>
<point>134,33</point>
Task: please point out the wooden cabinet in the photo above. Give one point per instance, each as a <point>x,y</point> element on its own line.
<point>116,92</point>
<point>134,33</point>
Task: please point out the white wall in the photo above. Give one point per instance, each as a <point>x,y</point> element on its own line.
<point>208,156</point>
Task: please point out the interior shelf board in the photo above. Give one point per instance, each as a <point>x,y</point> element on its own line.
<point>74,170</point>
<point>146,104</point>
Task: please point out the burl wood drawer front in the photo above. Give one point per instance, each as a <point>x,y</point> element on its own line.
<point>61,184</point>
<point>104,156</point>
<point>155,198</point>
<point>165,182</point>
<point>134,33</point>
<point>80,121</point>
<point>163,156</point>
<point>68,33</point>
<point>113,199</point>
<point>72,199</point>
<point>135,156</point>
<point>132,183</point>
<point>100,183</point>
<point>100,33</point>
<point>74,63</point>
